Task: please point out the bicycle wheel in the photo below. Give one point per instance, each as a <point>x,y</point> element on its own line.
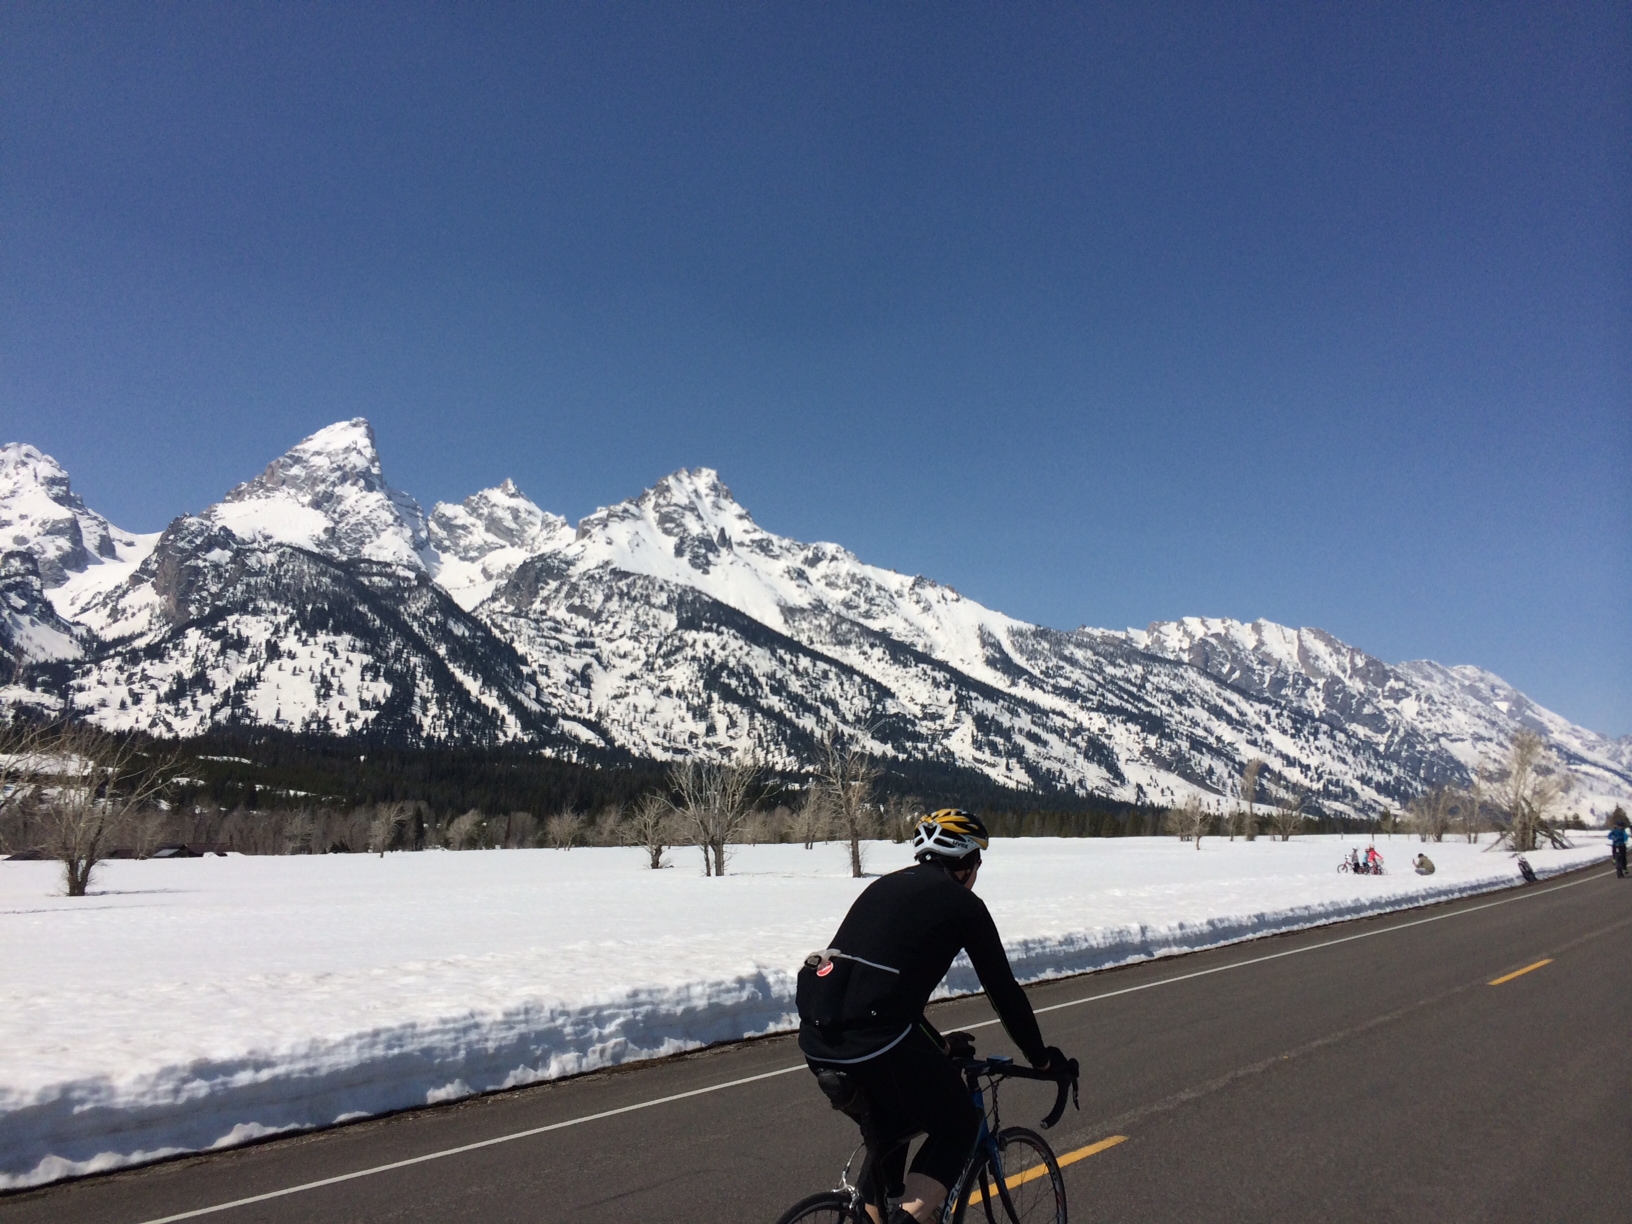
<point>829,1207</point>
<point>1033,1189</point>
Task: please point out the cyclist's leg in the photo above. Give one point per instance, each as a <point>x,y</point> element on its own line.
<point>933,1094</point>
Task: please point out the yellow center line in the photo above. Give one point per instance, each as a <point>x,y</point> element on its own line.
<point>1020,1179</point>
<point>1520,972</point>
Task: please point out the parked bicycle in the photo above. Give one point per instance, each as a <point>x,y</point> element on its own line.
<point>1011,1176</point>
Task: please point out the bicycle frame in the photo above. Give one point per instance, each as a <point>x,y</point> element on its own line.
<point>985,1149</point>
<point>984,1153</point>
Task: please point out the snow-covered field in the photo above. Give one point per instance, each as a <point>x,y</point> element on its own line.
<point>199,1003</point>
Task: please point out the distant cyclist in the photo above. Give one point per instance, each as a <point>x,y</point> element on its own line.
<point>1617,845</point>
<point>862,1027</point>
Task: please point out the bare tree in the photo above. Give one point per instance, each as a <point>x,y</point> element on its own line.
<point>20,768</point>
<point>468,831</point>
<point>1473,816</point>
<point>1529,791</point>
<point>711,802</point>
<point>389,829</point>
<point>899,817</point>
<point>300,832</point>
<point>759,827</point>
<point>1247,817</point>
<point>1189,820</point>
<point>97,782</point>
<point>563,829</point>
<point>1286,817</point>
<point>147,829</point>
<point>651,827</point>
<point>845,778</point>
<point>609,826</point>
<point>1431,813</point>
<point>779,824</point>
<point>812,821</point>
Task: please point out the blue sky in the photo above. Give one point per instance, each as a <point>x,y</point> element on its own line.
<point>1102,314</point>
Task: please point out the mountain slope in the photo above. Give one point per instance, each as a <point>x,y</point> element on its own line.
<point>1468,714</point>
<point>216,631</point>
<point>31,631</point>
<point>628,624</point>
<point>304,600</point>
<point>317,597</point>
<point>55,553</point>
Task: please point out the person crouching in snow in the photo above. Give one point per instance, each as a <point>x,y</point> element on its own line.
<point>1424,865</point>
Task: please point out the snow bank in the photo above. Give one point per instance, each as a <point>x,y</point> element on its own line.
<point>193,1004</point>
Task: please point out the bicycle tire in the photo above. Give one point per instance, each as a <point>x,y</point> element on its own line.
<point>829,1207</point>
<point>1036,1187</point>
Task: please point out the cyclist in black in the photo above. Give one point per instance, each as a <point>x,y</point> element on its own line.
<point>862,1027</point>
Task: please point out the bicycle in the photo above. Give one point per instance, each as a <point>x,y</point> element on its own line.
<point>1345,866</point>
<point>1011,1172</point>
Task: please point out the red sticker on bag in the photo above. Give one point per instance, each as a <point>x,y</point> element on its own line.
<point>827,968</point>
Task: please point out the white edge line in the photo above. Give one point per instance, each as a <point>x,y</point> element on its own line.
<point>470,1147</point>
<point>765,1075</point>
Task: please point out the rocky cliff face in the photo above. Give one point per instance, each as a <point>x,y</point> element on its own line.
<point>31,631</point>
<point>318,598</point>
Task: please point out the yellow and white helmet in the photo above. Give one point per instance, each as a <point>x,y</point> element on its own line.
<point>950,833</point>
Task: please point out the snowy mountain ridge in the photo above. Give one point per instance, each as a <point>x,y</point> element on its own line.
<point>1471,712</point>
<point>316,597</point>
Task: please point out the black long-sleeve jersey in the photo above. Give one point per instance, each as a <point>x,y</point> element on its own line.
<point>867,991</point>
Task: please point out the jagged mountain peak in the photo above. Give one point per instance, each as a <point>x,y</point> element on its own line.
<point>490,519</point>
<point>342,454</point>
<point>41,514</point>
<point>478,543</point>
<point>690,502</point>
<point>328,494</point>
<point>699,484</point>
<point>23,465</point>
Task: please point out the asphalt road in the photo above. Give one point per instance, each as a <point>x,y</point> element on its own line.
<point>1367,1072</point>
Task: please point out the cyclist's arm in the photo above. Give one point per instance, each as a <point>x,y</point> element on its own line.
<point>991,965</point>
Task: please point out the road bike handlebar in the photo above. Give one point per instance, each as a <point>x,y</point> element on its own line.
<point>1006,1068</point>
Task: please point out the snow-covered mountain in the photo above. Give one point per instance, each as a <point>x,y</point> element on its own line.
<point>1465,712</point>
<point>327,495</point>
<point>72,554</point>
<point>42,515</point>
<point>318,598</point>
<point>479,542</point>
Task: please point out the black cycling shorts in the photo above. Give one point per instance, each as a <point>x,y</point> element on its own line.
<point>912,1088</point>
